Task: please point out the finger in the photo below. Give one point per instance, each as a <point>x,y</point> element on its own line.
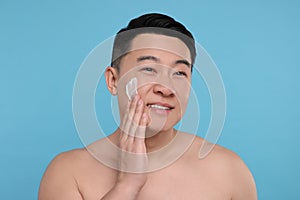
<point>147,112</point>
<point>141,129</point>
<point>130,114</point>
<point>129,144</point>
<point>137,117</point>
<point>125,125</point>
<point>139,140</point>
<point>123,136</point>
<point>125,117</point>
<point>132,106</point>
<point>134,124</point>
<point>146,115</point>
<point>125,140</point>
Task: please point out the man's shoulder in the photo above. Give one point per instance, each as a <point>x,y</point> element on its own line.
<point>218,155</point>
<point>216,150</point>
<point>222,166</point>
<point>71,155</point>
<point>224,154</point>
<point>228,163</point>
<point>69,159</point>
<point>74,163</point>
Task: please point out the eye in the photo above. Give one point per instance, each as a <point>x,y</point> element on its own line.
<point>148,69</point>
<point>180,73</point>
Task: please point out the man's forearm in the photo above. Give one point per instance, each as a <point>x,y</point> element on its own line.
<point>122,191</point>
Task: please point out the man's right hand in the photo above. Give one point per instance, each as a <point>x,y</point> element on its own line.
<point>133,158</point>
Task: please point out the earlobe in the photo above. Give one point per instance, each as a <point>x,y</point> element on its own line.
<point>111,80</point>
<point>114,90</point>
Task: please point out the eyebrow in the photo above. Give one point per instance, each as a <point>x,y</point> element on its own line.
<point>142,58</point>
<point>155,59</point>
<point>185,62</point>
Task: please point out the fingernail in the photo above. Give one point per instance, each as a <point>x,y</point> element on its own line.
<point>136,97</point>
<point>144,115</point>
<point>140,102</point>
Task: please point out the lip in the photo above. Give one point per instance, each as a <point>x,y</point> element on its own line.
<point>161,104</point>
<point>160,111</point>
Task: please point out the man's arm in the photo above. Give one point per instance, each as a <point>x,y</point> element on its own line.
<point>131,140</point>
<point>58,181</point>
<point>123,191</point>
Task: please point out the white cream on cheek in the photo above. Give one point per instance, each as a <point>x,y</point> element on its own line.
<point>131,88</point>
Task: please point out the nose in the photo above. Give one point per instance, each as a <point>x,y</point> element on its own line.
<point>163,90</point>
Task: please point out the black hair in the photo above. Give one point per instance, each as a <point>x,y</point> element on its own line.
<point>150,23</point>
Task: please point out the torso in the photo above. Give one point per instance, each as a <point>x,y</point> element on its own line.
<point>187,178</point>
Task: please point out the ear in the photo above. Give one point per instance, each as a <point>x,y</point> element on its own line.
<point>111,78</point>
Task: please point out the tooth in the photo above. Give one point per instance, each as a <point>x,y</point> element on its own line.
<point>159,107</point>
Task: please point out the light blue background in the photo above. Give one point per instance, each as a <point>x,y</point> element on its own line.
<point>254,43</point>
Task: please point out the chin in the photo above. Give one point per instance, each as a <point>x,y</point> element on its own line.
<point>155,128</point>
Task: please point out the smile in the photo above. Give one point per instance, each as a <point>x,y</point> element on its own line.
<point>159,107</point>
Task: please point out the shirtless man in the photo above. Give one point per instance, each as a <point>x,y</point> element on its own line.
<point>147,121</point>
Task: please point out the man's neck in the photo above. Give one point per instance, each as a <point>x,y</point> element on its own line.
<point>154,141</point>
<point>158,140</point>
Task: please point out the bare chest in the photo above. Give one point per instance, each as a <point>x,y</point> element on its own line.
<point>184,185</point>
<point>173,184</point>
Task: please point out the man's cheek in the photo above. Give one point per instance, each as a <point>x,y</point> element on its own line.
<point>182,92</point>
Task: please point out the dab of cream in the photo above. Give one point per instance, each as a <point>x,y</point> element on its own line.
<point>131,88</point>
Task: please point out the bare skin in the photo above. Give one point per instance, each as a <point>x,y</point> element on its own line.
<point>79,175</point>
<point>221,175</point>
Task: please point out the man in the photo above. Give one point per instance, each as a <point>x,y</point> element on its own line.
<point>151,74</point>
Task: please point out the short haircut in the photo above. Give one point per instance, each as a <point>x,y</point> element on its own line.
<point>150,23</point>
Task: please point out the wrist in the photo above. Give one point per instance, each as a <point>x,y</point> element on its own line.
<point>127,188</point>
<point>135,181</point>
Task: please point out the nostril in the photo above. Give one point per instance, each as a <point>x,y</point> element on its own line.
<point>164,91</point>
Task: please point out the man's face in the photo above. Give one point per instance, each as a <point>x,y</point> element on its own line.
<point>162,66</point>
